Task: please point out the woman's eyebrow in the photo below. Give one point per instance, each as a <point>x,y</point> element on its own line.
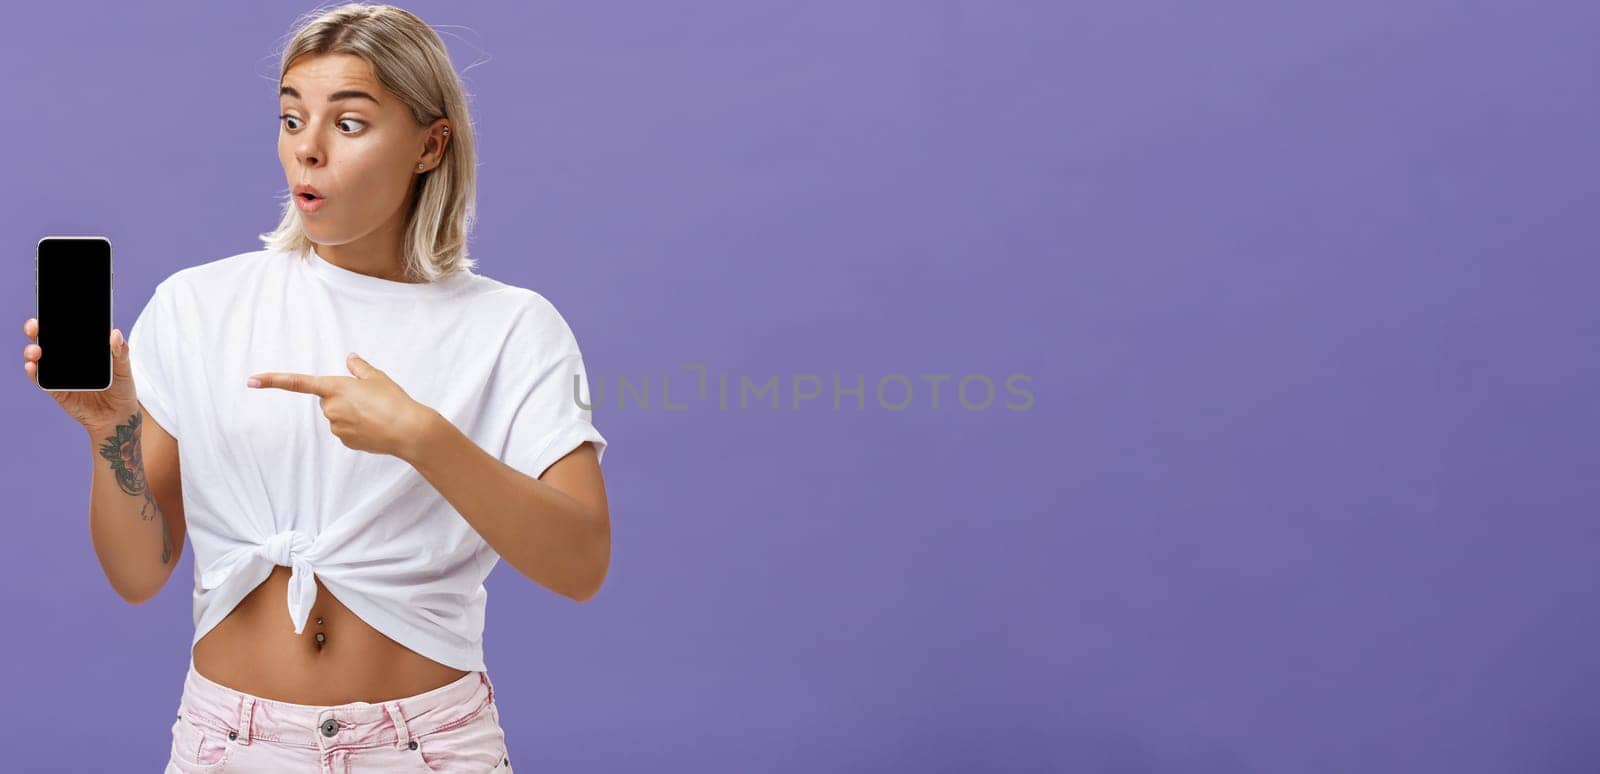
<point>288,91</point>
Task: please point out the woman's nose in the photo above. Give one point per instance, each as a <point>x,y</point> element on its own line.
<point>308,152</point>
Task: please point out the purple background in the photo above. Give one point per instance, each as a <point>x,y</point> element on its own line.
<point>1306,292</point>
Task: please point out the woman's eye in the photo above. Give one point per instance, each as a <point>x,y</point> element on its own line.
<point>287,117</point>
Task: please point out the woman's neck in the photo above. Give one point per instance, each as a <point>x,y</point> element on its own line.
<point>376,255</point>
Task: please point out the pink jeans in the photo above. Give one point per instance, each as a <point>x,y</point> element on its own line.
<point>451,728</point>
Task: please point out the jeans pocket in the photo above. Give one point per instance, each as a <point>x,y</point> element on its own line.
<point>505,750</point>
<point>475,745</point>
<point>199,745</point>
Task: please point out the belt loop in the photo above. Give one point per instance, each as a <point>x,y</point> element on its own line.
<point>247,711</point>
<point>402,729</point>
<point>487,683</point>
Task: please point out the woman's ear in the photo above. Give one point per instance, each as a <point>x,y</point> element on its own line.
<point>438,139</point>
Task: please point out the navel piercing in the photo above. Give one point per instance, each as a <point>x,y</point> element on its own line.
<point>320,638</point>
<point>319,621</point>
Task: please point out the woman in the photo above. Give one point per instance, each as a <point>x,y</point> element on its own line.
<point>366,427</point>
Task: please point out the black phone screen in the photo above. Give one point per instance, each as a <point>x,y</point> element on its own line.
<point>72,289</point>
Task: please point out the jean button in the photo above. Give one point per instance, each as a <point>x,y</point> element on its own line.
<point>232,735</point>
<point>330,727</point>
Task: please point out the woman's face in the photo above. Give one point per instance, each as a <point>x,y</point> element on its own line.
<point>359,152</point>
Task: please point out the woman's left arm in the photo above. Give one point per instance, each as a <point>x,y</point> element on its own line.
<point>556,529</point>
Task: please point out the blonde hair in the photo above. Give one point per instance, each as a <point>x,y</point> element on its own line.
<point>409,59</point>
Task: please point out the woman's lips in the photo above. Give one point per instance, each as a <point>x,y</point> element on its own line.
<point>308,204</point>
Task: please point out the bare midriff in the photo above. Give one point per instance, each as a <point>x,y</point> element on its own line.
<point>255,650</point>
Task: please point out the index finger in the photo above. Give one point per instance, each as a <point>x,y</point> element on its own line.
<point>306,383</point>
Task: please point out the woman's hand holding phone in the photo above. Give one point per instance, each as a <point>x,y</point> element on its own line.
<point>96,410</point>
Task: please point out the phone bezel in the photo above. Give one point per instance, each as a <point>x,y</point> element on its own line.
<point>111,294</point>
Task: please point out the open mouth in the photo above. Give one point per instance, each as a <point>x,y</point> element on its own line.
<point>308,202</point>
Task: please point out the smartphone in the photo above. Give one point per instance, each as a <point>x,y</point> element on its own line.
<point>72,292</point>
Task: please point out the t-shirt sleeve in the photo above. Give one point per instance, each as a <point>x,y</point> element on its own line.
<point>553,416</point>
<point>152,357</point>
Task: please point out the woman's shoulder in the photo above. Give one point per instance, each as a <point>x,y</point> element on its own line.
<point>218,274</point>
<point>525,304</point>
<point>530,320</point>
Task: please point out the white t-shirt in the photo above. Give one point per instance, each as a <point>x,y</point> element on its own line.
<point>266,482</point>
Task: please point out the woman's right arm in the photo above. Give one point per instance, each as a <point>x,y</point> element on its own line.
<point>135,504</point>
<point>135,492</point>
